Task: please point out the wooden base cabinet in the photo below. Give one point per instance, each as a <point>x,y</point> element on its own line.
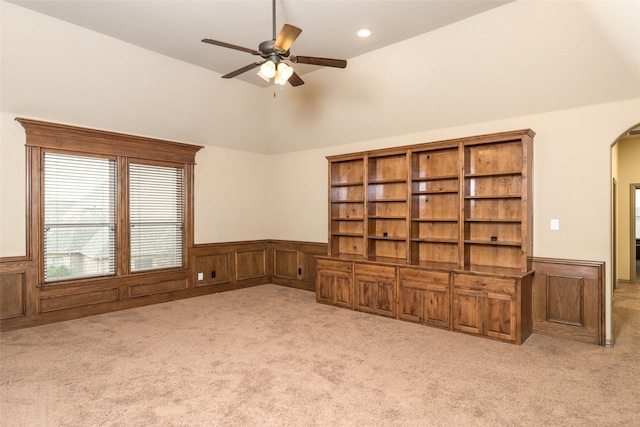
<point>334,284</point>
<point>423,297</point>
<point>495,307</point>
<point>375,289</point>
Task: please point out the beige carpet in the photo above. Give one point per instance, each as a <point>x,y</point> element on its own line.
<point>270,355</point>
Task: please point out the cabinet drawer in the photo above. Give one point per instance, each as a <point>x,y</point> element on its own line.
<point>430,277</point>
<point>485,283</point>
<point>376,271</point>
<point>324,264</point>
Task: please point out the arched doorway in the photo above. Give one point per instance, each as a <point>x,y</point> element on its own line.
<point>625,190</point>
<point>626,195</point>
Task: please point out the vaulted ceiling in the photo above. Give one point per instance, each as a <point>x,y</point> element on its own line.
<point>428,65</point>
<point>175,27</point>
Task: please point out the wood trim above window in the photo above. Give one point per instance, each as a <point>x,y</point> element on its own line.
<point>64,137</point>
<point>44,137</point>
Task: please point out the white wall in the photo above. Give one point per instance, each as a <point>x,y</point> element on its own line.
<point>58,72</point>
<point>12,187</point>
<point>232,195</point>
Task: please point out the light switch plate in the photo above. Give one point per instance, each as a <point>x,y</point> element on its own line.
<point>200,276</point>
<point>555,224</point>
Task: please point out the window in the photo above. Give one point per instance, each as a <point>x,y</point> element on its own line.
<point>79,216</point>
<point>156,215</point>
<point>104,206</point>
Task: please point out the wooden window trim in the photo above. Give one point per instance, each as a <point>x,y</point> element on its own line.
<point>45,136</point>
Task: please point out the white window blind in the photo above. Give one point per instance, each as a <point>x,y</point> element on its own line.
<point>79,216</point>
<point>156,216</point>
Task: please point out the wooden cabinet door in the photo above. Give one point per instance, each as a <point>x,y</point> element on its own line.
<point>436,306</point>
<point>374,295</point>
<point>500,316</point>
<point>324,287</point>
<point>375,289</point>
<point>334,288</point>
<point>384,302</point>
<point>424,303</point>
<point>363,294</point>
<point>343,291</point>
<point>468,311</point>
<point>410,301</point>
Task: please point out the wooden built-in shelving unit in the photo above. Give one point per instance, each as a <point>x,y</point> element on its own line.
<point>459,207</point>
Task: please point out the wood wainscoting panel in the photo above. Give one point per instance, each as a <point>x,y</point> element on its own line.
<point>12,295</point>
<point>285,263</point>
<point>294,263</point>
<point>565,300</point>
<point>215,269</point>
<point>568,299</point>
<point>144,289</point>
<point>80,299</point>
<point>251,264</point>
<point>309,266</point>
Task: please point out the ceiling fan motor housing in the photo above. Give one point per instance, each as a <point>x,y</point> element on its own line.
<point>269,50</point>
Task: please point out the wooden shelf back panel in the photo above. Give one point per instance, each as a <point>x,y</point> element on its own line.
<point>493,186</point>
<point>388,248</point>
<point>499,232</point>
<point>392,228</point>
<point>349,193</point>
<point>434,252</point>
<point>387,209</point>
<point>347,172</point>
<point>391,191</point>
<point>434,230</point>
<point>435,206</point>
<point>448,185</point>
<point>493,255</point>
<point>496,158</point>
<point>384,168</point>
<point>435,163</point>
<point>349,245</point>
<point>494,209</point>
<point>347,227</point>
<point>347,211</point>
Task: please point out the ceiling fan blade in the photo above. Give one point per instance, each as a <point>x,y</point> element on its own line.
<point>242,70</point>
<point>232,46</point>
<point>288,34</point>
<point>325,62</point>
<point>295,80</point>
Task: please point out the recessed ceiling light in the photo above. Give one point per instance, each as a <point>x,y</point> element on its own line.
<point>363,33</point>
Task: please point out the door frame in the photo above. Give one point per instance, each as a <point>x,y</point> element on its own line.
<point>632,237</point>
<point>614,232</point>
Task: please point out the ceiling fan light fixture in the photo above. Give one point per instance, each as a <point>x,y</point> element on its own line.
<point>267,70</point>
<point>285,71</point>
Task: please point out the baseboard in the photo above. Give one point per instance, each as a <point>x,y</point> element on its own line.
<point>224,267</point>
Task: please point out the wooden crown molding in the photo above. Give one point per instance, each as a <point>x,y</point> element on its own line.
<point>60,136</point>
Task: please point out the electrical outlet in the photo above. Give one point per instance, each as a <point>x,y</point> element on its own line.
<point>555,224</point>
<point>200,276</point>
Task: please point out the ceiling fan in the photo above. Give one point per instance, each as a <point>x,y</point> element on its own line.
<point>273,53</point>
